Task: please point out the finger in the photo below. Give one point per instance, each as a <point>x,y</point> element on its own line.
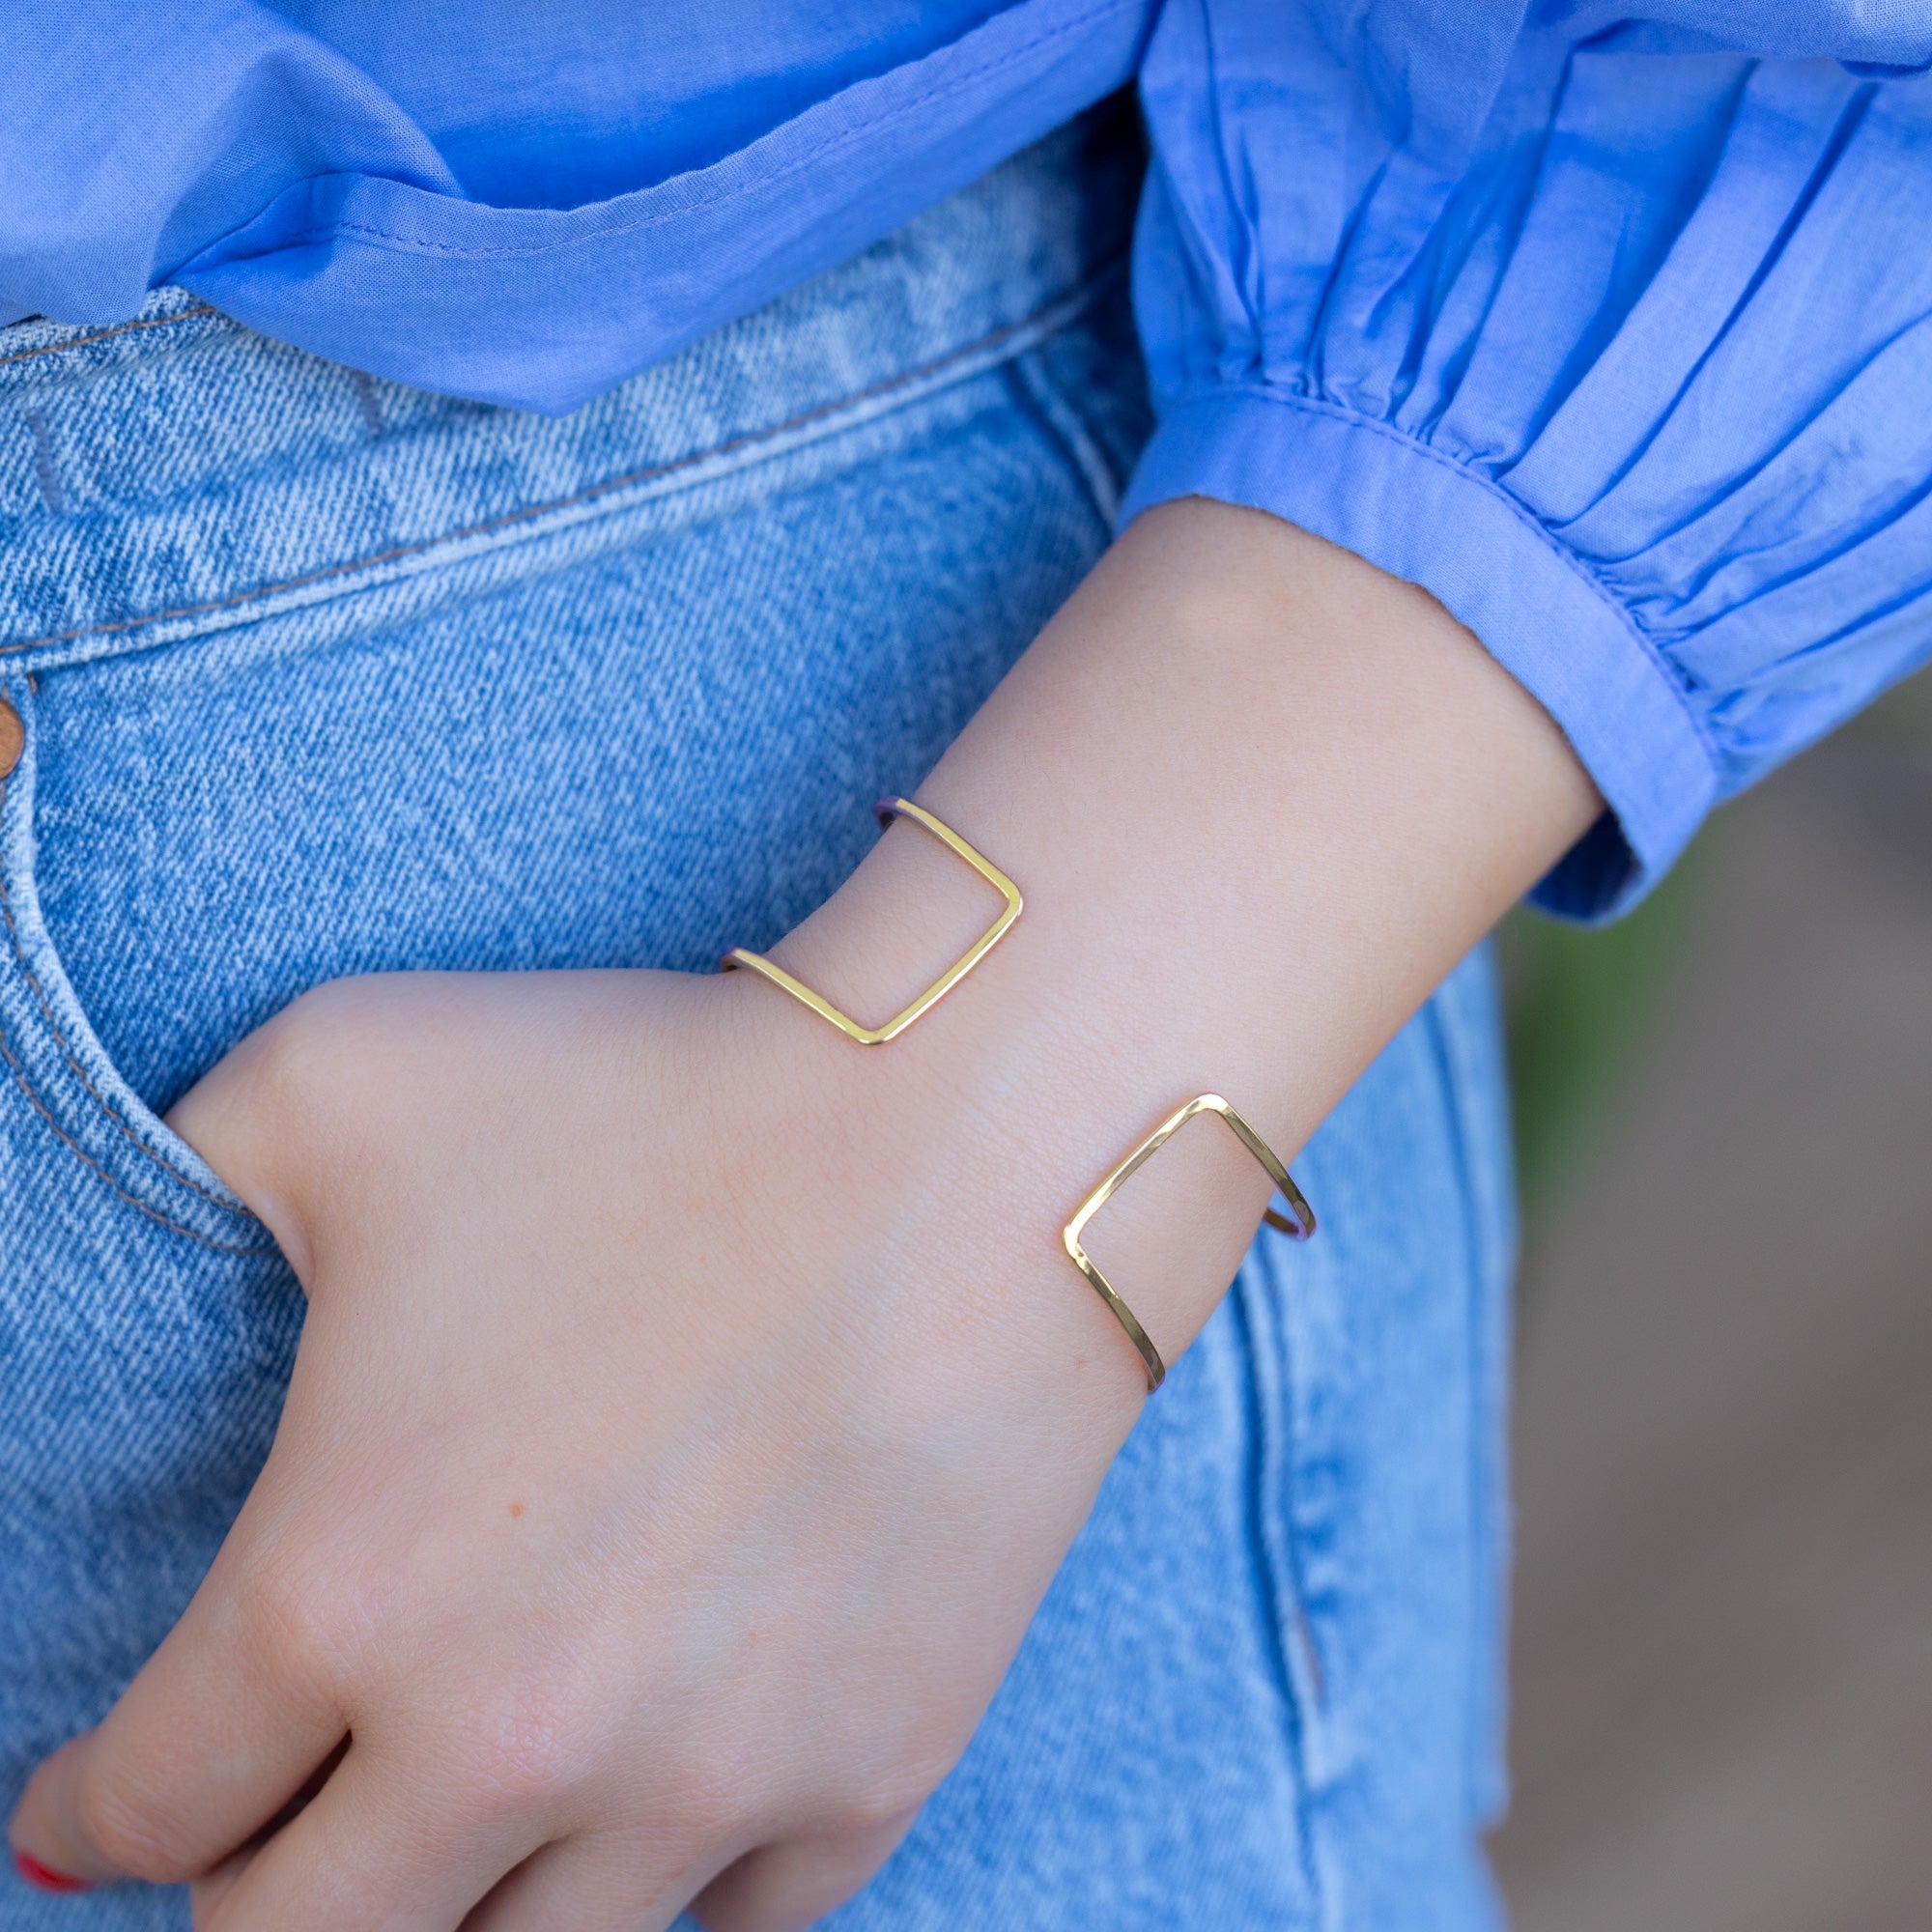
<point>786,1886</point>
<point>383,1847</point>
<point>217,1732</point>
<point>206,1895</point>
<point>602,1884</point>
<point>209,1890</point>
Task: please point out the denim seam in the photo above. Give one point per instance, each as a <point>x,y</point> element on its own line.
<point>46,465</point>
<point>105,334</point>
<point>80,1072</point>
<point>1319,406</point>
<point>1476,1257</point>
<point>1060,420</point>
<point>719,197</point>
<point>1273,1457</point>
<point>87,1161</point>
<point>110,1113</point>
<point>1060,312</point>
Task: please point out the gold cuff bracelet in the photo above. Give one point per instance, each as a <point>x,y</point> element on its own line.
<point>888,809</point>
<point>1299,1228</point>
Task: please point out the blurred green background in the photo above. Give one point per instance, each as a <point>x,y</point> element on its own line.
<point>1722,1676</point>
<point>1584,1002</point>
<point>1580,1003</point>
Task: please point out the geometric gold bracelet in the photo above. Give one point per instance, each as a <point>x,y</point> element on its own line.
<point>886,810</point>
<point>1299,1228</point>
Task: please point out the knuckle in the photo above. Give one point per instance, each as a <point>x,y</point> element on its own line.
<point>886,1803</point>
<point>305,1620</point>
<point>888,1795</point>
<point>527,1756</point>
<point>872,1813</point>
<point>130,1824</point>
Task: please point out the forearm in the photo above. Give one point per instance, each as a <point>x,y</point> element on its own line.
<point>1260,798</point>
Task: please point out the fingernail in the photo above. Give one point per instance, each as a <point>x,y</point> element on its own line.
<point>45,1877</point>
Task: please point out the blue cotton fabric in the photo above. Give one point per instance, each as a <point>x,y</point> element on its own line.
<point>1617,342</point>
<point>1610,326</point>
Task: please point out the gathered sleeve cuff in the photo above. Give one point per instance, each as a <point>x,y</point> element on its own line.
<point>1620,346</point>
<point>1426,519</point>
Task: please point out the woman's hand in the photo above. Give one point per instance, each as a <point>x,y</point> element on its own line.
<point>661,1493</point>
<point>694,1406</point>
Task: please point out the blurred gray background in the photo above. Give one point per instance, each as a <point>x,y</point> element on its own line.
<point>1724,1426</point>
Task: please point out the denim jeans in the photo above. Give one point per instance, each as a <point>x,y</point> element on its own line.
<point>321,675</point>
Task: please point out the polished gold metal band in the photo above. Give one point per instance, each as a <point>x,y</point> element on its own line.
<point>888,809</point>
<point>1299,1228</point>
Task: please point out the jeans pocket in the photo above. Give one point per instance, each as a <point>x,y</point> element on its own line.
<point>105,1153</point>
<point>148,1324</point>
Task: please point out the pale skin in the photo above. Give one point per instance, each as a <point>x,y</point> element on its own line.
<point>695,1406</point>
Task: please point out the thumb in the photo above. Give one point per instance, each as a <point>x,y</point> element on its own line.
<point>249,1117</point>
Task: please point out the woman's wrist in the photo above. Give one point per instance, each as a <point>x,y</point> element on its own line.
<point>1260,798</point>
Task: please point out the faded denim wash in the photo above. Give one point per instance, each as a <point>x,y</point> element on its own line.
<point>321,675</point>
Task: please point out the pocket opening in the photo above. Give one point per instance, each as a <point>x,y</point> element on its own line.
<point>62,1074</point>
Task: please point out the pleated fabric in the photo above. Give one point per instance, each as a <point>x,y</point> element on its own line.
<point>1619,342</point>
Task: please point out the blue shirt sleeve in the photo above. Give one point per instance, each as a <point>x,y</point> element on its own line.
<point>1617,339</point>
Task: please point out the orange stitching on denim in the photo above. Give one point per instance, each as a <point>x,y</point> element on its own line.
<point>86,1159</point>
<point>1073,301</point>
<point>80,1072</point>
<point>102,335</point>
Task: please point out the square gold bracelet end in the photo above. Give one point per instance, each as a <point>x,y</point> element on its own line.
<point>886,810</point>
<point>1299,1228</point>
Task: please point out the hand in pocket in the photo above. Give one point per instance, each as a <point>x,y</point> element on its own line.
<point>660,1495</point>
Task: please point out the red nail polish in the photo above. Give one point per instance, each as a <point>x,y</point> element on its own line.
<point>45,1877</point>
